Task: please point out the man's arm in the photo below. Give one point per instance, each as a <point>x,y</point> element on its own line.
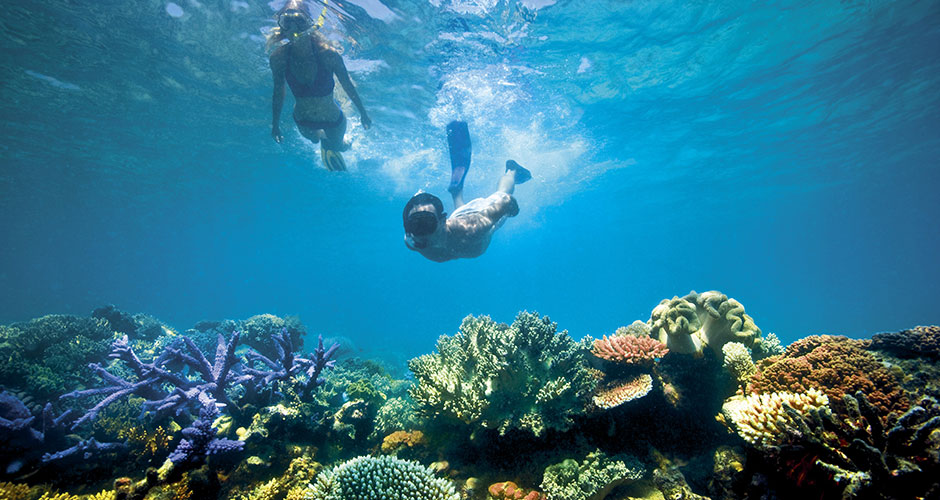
<point>278,69</point>
<point>339,68</point>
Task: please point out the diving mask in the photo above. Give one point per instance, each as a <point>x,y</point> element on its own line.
<point>293,21</point>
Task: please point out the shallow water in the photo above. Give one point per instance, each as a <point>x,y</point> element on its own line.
<point>783,153</point>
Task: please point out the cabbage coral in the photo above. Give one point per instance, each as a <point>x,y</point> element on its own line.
<point>383,478</point>
<point>711,318</point>
<point>524,376</point>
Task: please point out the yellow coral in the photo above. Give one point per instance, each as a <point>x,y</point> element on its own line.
<point>103,495</point>
<point>760,418</point>
<point>616,393</point>
<point>400,439</point>
<point>14,491</point>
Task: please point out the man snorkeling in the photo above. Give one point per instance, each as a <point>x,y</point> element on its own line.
<point>467,231</point>
<point>307,64</point>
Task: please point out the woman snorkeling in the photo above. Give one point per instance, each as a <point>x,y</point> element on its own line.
<point>307,64</point>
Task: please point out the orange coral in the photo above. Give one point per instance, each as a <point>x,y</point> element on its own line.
<point>616,393</point>
<point>400,439</point>
<point>629,349</point>
<point>509,491</point>
<point>837,365</point>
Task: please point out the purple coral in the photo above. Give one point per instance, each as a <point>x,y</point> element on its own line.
<point>287,365</point>
<point>200,440</point>
<point>216,378</point>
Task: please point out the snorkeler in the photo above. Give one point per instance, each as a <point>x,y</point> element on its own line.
<point>467,231</point>
<point>307,64</point>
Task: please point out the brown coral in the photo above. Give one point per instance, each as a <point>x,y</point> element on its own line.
<point>629,349</point>
<point>509,491</point>
<point>918,342</point>
<point>402,439</point>
<point>837,365</point>
<point>614,394</point>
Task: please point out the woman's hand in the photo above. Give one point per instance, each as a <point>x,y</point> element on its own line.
<point>366,121</point>
<point>276,134</point>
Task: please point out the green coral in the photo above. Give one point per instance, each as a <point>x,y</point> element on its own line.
<point>687,324</point>
<point>48,356</point>
<point>383,478</point>
<point>592,479</point>
<point>524,376</point>
<point>397,414</point>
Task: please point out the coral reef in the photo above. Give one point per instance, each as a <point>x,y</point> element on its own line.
<point>592,479</point>
<point>47,356</point>
<point>835,365</point>
<point>508,490</point>
<point>761,419</point>
<point>199,440</point>
<point>738,363</point>
<point>615,393</point>
<point>687,324</point>
<point>397,440</point>
<point>369,478</point>
<point>918,342</point>
<point>629,349</point>
<point>524,376</point>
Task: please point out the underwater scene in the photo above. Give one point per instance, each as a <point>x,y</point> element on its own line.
<point>469,249</point>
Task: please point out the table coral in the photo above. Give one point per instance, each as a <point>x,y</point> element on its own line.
<point>837,366</point>
<point>629,349</point>
<point>370,478</point>
<point>615,393</point>
<point>526,376</point>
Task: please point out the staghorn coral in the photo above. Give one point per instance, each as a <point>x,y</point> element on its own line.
<point>855,456</point>
<point>738,362</point>
<point>687,324</point>
<point>615,393</point>
<point>591,479</point>
<point>508,490</point>
<point>15,491</point>
<point>524,376</point>
<point>369,478</point>
<point>761,419</point>
<point>629,349</point>
<point>837,366</point>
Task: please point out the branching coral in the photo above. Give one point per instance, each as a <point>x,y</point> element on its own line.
<point>835,365</point>
<point>738,362</point>
<point>526,376</point>
<point>709,318</point>
<point>629,349</point>
<point>369,478</point>
<point>761,419</point>
<point>591,479</point>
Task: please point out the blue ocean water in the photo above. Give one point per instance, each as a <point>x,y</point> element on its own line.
<point>785,153</point>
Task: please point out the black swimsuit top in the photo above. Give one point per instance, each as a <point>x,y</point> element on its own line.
<point>322,84</point>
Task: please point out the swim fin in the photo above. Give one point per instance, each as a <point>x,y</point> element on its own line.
<point>522,173</point>
<point>458,142</point>
<point>332,160</point>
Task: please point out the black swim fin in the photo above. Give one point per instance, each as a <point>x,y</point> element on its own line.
<point>458,142</point>
<point>522,173</point>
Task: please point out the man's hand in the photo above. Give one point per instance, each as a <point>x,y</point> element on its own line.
<point>366,121</point>
<point>276,134</point>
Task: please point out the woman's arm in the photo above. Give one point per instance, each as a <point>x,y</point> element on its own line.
<point>339,68</point>
<point>278,69</point>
